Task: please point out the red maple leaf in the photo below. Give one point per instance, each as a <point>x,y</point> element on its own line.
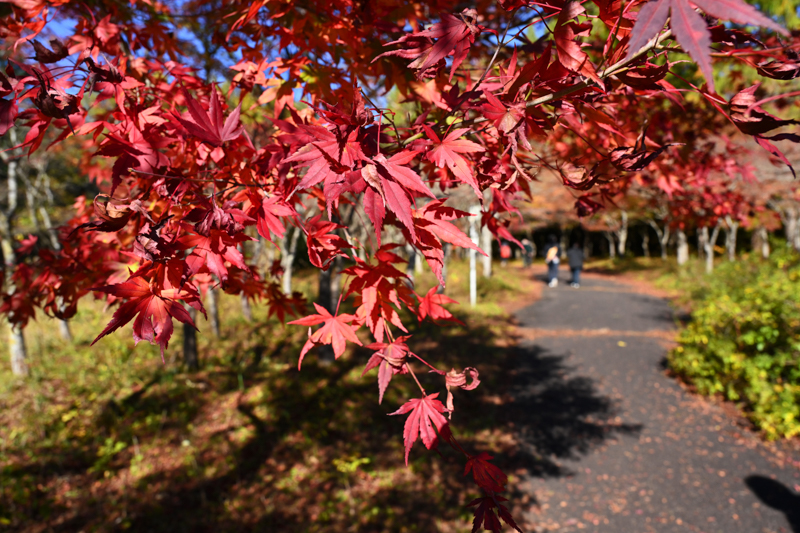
<point>376,305</point>
<point>486,475</point>
<point>459,379</point>
<point>432,225</point>
<point>446,152</point>
<point>155,309</point>
<point>8,112</point>
<point>426,413</point>
<point>508,120</point>
<point>390,360</point>
<point>269,215</point>
<point>381,286</point>
<point>455,34</point>
<point>335,331</point>
<point>323,246</point>
<point>210,127</point>
<point>430,305</point>
<point>570,54</point>
<point>391,185</point>
<point>329,156</point>
<point>750,117</point>
<point>690,28</point>
<point>280,303</point>
<point>485,514</point>
<point>753,120</point>
<point>213,250</point>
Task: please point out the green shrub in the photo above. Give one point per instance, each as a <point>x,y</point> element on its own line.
<point>744,340</point>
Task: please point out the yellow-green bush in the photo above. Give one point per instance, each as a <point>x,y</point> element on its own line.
<point>744,340</point>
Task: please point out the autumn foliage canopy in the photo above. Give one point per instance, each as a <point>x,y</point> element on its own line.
<point>382,107</point>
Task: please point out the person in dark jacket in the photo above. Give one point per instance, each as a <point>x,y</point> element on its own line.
<point>575,259</point>
<point>552,258</point>
<point>527,251</point>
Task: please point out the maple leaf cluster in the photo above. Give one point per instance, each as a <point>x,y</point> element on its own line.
<point>192,170</point>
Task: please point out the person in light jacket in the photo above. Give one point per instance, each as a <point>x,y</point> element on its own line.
<point>552,258</point>
<point>575,259</point>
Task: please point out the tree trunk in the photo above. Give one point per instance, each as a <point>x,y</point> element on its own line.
<point>16,340</point>
<point>190,357</point>
<point>730,237</point>
<point>663,237</point>
<point>447,250</point>
<point>710,243</point>
<point>646,242</point>
<point>789,217</point>
<point>288,246</point>
<point>474,234</point>
<point>63,325</point>
<point>212,301</point>
<point>760,241</point>
<point>622,234</point>
<point>336,279</point>
<point>683,247</point>
<point>270,259</point>
<point>702,240</point>
<point>411,266</point>
<point>612,250</point>
<point>486,246</point>
<point>247,311</point>
<point>64,331</point>
<point>19,354</point>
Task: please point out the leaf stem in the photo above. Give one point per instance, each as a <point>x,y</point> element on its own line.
<point>423,361</point>
<point>413,375</point>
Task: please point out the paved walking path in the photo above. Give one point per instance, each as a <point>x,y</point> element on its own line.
<point>618,446</point>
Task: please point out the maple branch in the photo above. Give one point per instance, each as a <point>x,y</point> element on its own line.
<point>617,67</point>
<point>588,142</point>
<point>610,71</point>
<point>501,42</point>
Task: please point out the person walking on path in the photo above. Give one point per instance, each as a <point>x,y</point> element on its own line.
<point>527,247</point>
<point>575,259</point>
<point>505,253</point>
<point>552,254</point>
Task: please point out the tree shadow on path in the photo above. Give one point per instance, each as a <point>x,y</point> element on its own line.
<point>774,494</point>
<point>558,416</point>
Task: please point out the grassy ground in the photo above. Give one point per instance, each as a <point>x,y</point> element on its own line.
<point>107,438</point>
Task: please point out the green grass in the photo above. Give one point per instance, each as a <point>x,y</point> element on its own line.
<point>107,437</point>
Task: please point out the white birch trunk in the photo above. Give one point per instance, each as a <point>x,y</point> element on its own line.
<point>730,237</point>
<point>622,234</point>
<point>682,247</point>
<point>710,243</point>
<point>16,339</point>
<point>473,267</point>
<point>760,242</point>
<point>486,246</point>
<point>17,351</point>
<point>612,249</point>
<point>288,246</point>
<point>212,302</point>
